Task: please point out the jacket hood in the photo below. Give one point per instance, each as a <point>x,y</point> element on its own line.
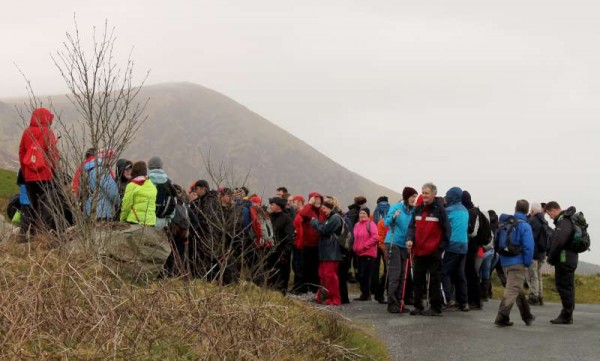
<point>569,211</point>
<point>454,196</point>
<point>158,176</point>
<point>466,200</point>
<point>381,211</point>
<point>41,117</point>
<point>316,195</point>
<point>504,217</point>
<point>89,165</point>
<point>121,165</point>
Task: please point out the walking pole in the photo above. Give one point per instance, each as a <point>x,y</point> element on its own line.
<point>408,260</point>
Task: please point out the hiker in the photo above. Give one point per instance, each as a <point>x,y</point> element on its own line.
<point>102,189</point>
<point>455,256</point>
<point>471,262</point>
<point>365,248</point>
<point>310,240</point>
<point>381,211</point>
<point>534,277</point>
<point>329,254</point>
<point>495,225</point>
<point>345,263</point>
<point>123,174</point>
<point>166,195</point>
<point>352,215</point>
<point>490,260</point>
<point>516,244</point>
<point>396,253</point>
<point>228,235</point>
<point>38,158</point>
<point>428,234</point>
<point>203,204</point>
<point>564,260</point>
<point>179,230</point>
<point>90,155</point>
<point>139,202</point>
<point>297,264</point>
<point>280,257</point>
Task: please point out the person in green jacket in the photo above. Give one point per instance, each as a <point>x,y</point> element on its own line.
<point>139,202</point>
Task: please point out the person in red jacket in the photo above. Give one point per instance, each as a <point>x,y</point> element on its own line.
<point>297,264</point>
<point>38,156</point>
<point>310,240</point>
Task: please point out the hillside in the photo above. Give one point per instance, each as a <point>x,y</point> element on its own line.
<point>187,120</point>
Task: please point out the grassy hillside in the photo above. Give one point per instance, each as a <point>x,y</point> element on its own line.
<point>67,306</point>
<point>8,187</point>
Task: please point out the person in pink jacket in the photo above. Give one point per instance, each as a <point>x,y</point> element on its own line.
<point>365,247</point>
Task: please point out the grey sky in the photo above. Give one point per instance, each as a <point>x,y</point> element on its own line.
<point>499,98</point>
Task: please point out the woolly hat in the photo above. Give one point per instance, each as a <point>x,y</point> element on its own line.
<point>201,184</point>
<point>382,199</point>
<point>282,203</point>
<point>256,199</point>
<point>155,163</point>
<point>408,192</point>
<point>466,200</point>
<point>299,198</point>
<point>367,210</point>
<point>360,200</point>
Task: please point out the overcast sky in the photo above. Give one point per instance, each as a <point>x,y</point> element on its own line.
<point>499,98</point>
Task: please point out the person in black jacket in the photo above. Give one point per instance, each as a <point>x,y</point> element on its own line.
<point>564,260</point>
<point>534,278</point>
<point>471,269</point>
<point>278,261</point>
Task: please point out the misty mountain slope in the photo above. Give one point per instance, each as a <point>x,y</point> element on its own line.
<point>186,120</point>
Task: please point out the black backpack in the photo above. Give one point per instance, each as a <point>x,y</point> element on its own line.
<point>13,206</point>
<point>182,216</point>
<point>581,238</point>
<point>166,199</point>
<point>507,245</point>
<point>346,236</point>
<point>484,232</point>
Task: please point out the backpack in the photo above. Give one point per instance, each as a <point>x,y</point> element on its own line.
<point>166,199</point>
<point>266,228</point>
<point>35,159</point>
<point>581,237</point>
<point>346,236</point>
<point>547,232</point>
<point>14,205</point>
<point>507,244</point>
<point>484,232</point>
<point>182,217</point>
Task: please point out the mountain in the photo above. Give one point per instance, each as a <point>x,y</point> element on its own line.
<point>187,121</point>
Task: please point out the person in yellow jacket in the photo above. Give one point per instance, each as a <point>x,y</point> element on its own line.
<point>139,202</point>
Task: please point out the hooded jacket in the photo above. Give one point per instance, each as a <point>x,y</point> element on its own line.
<point>329,249</point>
<point>283,231</point>
<point>121,180</point>
<point>524,238</point>
<point>398,225</point>
<point>107,194</point>
<point>139,202</point>
<point>381,211</point>
<point>365,238</point>
<point>538,226</point>
<point>39,134</point>
<point>310,236</point>
<point>562,238</point>
<point>429,229</point>
<point>458,216</point>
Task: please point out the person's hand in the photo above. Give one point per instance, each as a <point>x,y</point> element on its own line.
<point>397,213</point>
<point>409,244</point>
<point>311,201</point>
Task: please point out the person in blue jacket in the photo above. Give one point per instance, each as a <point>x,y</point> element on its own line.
<point>516,244</point>
<point>453,262</point>
<point>397,219</point>
<point>104,192</point>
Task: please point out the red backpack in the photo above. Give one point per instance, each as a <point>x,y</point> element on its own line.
<point>35,159</point>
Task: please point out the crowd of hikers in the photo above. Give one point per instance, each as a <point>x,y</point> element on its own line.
<point>424,249</point>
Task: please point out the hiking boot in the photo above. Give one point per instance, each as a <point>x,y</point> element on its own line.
<point>541,301</point>
<point>417,312</point>
<point>563,319</point>
<point>484,290</point>
<point>502,321</point>
<point>533,301</point>
<point>380,300</point>
<point>432,312</point>
<point>464,308</point>
<point>393,308</point>
<point>363,298</point>
<point>451,305</point>
<point>475,306</point>
<point>529,321</point>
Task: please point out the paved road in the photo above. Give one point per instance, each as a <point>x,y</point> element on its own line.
<point>472,335</point>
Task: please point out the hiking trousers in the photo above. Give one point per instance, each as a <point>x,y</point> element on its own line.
<point>298,267</point>
<point>366,266</point>
<point>397,265</point>
<point>564,274</point>
<point>534,278</point>
<point>515,281</point>
<point>453,273</point>
<point>310,259</point>
<point>433,264</point>
<point>328,273</point>
<point>473,281</point>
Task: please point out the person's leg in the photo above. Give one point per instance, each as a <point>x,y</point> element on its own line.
<point>514,281</point>
<point>420,272</point>
<point>484,274</point>
<point>449,262</point>
<point>540,281</point>
<point>369,269</point>
<point>473,282</point>
<point>330,271</point>
<point>299,286</point>
<point>361,273</point>
<point>461,281</point>
<point>375,274</point>
<point>565,284</point>
<point>394,274</point>
<point>435,292</point>
<point>311,273</point>
<point>343,268</point>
